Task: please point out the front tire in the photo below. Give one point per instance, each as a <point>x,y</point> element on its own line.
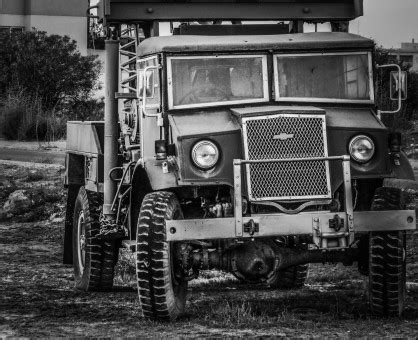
<point>93,260</point>
<point>162,291</point>
<point>387,273</point>
<point>387,261</point>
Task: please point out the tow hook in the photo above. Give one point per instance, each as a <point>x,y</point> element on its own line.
<point>251,227</point>
<point>336,223</point>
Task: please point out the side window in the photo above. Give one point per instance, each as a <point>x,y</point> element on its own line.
<point>149,81</point>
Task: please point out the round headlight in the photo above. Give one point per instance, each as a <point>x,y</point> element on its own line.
<point>361,149</point>
<point>205,154</point>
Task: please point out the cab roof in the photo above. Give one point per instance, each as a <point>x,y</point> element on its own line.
<point>244,43</point>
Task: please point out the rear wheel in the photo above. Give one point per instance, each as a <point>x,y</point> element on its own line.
<point>93,260</point>
<point>387,261</point>
<point>161,287</point>
<point>290,278</point>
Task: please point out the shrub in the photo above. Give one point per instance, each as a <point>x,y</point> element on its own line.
<point>49,67</point>
<point>44,80</point>
<point>24,119</point>
<point>19,116</point>
<point>90,109</point>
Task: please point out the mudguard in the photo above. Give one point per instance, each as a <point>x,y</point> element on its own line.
<point>161,174</point>
<point>68,231</point>
<point>404,170</point>
<point>148,176</point>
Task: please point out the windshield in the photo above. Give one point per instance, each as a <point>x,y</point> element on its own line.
<point>341,77</point>
<point>217,80</point>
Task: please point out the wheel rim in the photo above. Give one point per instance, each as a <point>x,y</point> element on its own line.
<point>81,241</point>
<point>176,277</point>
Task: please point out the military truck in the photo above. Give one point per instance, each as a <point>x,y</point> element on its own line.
<point>250,148</point>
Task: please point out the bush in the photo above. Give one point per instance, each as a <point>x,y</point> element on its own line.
<point>90,109</point>
<point>24,119</point>
<point>44,80</point>
<point>48,67</point>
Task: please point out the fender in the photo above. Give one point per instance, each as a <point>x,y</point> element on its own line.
<point>148,176</point>
<point>404,170</point>
<point>68,231</point>
<point>159,178</point>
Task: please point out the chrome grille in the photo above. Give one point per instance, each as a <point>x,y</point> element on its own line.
<point>286,136</point>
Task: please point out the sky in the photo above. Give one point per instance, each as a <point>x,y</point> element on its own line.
<point>388,22</point>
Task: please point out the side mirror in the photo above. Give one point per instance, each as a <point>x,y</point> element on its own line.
<point>146,82</point>
<point>398,83</point>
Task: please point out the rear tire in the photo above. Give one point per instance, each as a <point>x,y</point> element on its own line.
<point>387,261</point>
<point>162,292</point>
<point>290,278</point>
<point>93,260</point>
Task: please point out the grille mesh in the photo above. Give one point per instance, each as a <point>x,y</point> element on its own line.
<point>268,138</point>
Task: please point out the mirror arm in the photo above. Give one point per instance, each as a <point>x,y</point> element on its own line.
<point>379,112</point>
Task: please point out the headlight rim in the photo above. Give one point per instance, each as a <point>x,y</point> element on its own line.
<point>351,151</point>
<point>202,142</point>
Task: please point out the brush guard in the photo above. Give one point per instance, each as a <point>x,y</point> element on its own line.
<point>329,230</point>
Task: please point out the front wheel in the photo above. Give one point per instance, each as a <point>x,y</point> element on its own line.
<point>161,287</point>
<point>387,260</point>
<point>387,273</point>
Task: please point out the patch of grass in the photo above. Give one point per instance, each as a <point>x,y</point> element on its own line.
<point>332,273</point>
<point>237,313</point>
<point>35,176</point>
<point>212,279</point>
<point>46,160</point>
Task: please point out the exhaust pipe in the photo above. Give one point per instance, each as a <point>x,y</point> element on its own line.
<point>111,123</point>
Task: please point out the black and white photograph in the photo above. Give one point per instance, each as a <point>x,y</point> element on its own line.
<point>208,169</point>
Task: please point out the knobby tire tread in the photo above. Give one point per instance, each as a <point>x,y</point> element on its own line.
<point>153,259</point>
<point>102,254</point>
<point>291,277</point>
<point>387,261</point>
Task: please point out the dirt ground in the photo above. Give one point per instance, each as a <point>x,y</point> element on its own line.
<point>37,298</point>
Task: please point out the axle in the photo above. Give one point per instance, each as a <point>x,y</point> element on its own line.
<point>257,261</point>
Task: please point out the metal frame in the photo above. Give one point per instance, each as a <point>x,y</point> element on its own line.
<point>322,100</point>
<point>284,225</point>
<point>153,10</point>
<point>248,162</point>
<point>305,223</point>
<point>346,173</point>
<point>265,98</point>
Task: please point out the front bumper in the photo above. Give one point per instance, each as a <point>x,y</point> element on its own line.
<point>316,224</point>
<point>321,225</point>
